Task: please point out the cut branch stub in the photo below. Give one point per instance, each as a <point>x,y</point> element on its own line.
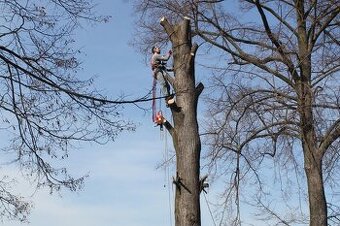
<point>168,28</point>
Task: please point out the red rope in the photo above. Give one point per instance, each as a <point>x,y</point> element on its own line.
<point>154,114</point>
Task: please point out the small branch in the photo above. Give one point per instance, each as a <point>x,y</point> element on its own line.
<point>199,88</point>
<point>178,182</point>
<point>193,51</point>
<point>331,16</point>
<point>275,40</point>
<point>168,126</point>
<point>331,135</point>
<point>204,184</point>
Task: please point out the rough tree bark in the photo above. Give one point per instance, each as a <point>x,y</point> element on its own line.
<point>184,132</point>
<point>312,155</point>
<point>312,158</point>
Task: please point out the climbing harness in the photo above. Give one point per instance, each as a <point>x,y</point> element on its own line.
<point>157,116</point>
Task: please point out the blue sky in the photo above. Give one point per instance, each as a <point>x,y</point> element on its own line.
<point>124,187</point>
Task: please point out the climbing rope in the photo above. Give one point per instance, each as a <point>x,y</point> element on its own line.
<point>154,86</point>
<point>167,175</point>
<point>156,115</point>
<point>208,205</point>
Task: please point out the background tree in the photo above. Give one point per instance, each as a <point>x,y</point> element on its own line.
<point>277,100</point>
<point>44,103</point>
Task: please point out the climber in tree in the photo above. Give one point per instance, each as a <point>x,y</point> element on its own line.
<point>158,66</point>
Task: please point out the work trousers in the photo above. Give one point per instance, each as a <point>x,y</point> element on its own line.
<point>160,76</point>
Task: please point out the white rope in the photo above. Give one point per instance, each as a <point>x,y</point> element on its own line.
<point>167,175</point>
<point>208,205</point>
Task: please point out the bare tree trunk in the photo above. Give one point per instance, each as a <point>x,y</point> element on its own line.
<point>312,154</point>
<point>313,165</point>
<point>317,199</point>
<point>185,129</point>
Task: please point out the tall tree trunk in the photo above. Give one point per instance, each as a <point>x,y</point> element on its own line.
<point>316,193</point>
<point>184,132</point>
<point>312,154</point>
<point>312,158</point>
<point>312,162</point>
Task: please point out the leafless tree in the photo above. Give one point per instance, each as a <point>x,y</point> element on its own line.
<point>277,100</point>
<point>44,103</point>
<point>184,131</point>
